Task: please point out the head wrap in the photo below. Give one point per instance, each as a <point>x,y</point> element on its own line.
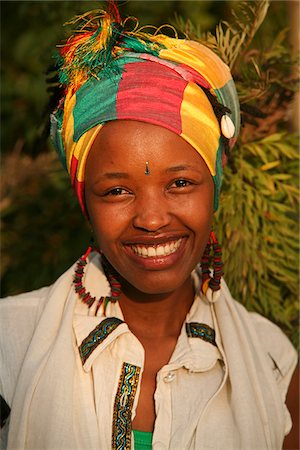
<point>110,73</point>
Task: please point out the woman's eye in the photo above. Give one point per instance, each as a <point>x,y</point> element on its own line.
<point>181,183</point>
<point>116,191</point>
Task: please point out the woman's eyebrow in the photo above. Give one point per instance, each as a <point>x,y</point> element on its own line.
<point>182,167</point>
<point>115,175</point>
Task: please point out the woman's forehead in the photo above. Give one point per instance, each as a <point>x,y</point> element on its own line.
<point>128,143</point>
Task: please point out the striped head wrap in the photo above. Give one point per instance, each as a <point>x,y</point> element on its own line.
<point>110,73</point>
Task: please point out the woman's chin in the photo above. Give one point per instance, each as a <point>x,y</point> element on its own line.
<point>154,285</point>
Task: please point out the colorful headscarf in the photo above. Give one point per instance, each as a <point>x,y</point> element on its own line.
<point>110,73</point>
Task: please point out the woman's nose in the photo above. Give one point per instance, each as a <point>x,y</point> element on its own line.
<point>152,213</point>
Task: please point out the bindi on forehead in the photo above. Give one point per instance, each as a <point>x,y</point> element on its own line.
<point>147,170</point>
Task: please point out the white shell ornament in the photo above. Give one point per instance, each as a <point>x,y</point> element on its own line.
<point>227,127</point>
<point>212,296</point>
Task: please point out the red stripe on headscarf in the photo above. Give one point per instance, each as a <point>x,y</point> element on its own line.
<point>73,169</point>
<point>140,97</point>
<point>78,185</point>
<point>79,190</point>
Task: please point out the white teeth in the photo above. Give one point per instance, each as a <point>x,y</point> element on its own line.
<point>151,251</point>
<point>160,250</point>
<point>167,249</point>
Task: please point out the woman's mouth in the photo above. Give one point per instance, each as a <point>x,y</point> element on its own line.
<point>157,256</point>
<point>154,251</point>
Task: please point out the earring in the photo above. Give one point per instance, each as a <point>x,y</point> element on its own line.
<point>111,274</point>
<point>212,257</point>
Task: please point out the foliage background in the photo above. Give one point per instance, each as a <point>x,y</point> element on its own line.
<point>42,229</point>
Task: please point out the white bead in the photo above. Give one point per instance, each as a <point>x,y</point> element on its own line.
<point>227,127</point>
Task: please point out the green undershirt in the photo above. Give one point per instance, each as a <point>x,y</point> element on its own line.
<point>142,440</point>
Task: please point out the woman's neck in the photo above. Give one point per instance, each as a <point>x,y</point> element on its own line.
<point>156,315</point>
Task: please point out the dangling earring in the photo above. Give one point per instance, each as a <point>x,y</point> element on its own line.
<point>85,296</point>
<point>112,276</point>
<point>110,273</point>
<point>212,256</point>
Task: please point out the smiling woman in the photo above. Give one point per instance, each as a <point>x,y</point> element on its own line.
<point>159,220</point>
<point>140,345</point>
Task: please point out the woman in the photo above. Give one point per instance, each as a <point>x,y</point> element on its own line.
<point>137,345</point>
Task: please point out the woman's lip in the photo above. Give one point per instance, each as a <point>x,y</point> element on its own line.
<point>157,262</point>
<point>154,241</point>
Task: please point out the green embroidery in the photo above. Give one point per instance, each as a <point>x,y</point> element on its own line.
<point>98,335</point>
<point>121,432</point>
<point>200,330</point>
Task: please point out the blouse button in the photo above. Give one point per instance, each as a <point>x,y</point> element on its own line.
<point>169,377</point>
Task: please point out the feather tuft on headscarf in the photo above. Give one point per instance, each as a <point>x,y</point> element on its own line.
<point>97,43</point>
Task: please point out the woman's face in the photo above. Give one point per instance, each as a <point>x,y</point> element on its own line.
<point>153,228</point>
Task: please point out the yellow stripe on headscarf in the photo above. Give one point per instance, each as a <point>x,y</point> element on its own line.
<point>68,127</point>
<point>199,124</point>
<point>82,150</point>
<point>199,58</point>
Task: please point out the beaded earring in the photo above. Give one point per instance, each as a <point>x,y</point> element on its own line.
<point>212,257</point>
<point>111,275</point>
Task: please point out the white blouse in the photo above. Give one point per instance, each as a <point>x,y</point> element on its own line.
<point>72,378</point>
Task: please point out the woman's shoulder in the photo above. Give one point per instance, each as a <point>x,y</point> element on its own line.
<point>24,300</point>
<point>26,308</point>
<point>19,318</point>
<point>271,340</point>
<point>282,359</point>
<point>271,337</point>
<point>19,315</point>
<point>276,345</point>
